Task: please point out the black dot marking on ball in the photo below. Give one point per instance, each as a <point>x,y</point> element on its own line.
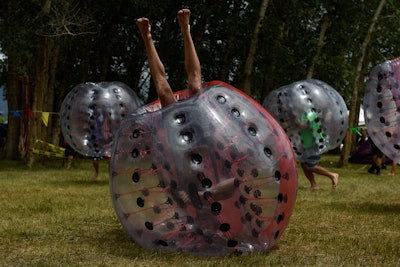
<point>276,235</point>
<point>149,226</point>
<point>382,119</point>
<point>254,233</point>
<point>135,177</point>
<point>167,166</point>
<point>254,173</point>
<point>206,183</point>
<point>248,217</point>
<point>157,209</point>
<point>257,193</point>
<point>242,199</point>
<point>232,243</point>
<point>207,195</point>
<point>180,118</point>
<point>170,225</point>
<point>259,222</point>
<point>93,137</point>
<point>396,146</point>
<point>187,137</point>
<point>252,131</point>
<point>388,134</point>
<point>235,112</point>
<point>228,164</point>
<point>256,209</point>
<point>216,208</point>
<point>280,218</point>
<point>140,202</point>
<point>221,99</point>
<point>135,153</point>
<point>379,88</point>
<point>277,176</point>
<point>136,133</point>
<point>225,227</point>
<point>247,189</point>
<point>280,197</point>
<point>173,185</point>
<point>379,104</point>
<point>145,192</point>
<point>190,220</point>
<point>267,152</point>
<point>240,172</point>
<point>169,201</point>
<point>196,159</point>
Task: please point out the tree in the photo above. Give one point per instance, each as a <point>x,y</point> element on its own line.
<point>248,67</point>
<point>358,81</point>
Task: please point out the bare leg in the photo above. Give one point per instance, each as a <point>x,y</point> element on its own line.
<point>322,171</point>
<point>310,176</point>
<point>157,69</point>
<point>393,169</point>
<point>96,170</point>
<point>192,63</point>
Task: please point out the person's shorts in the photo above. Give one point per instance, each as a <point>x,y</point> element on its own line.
<point>376,151</point>
<point>312,161</point>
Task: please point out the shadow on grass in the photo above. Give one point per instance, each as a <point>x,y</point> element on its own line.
<point>84,183</point>
<point>368,207</point>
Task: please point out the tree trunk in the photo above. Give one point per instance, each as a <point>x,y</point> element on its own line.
<point>248,67</point>
<point>13,95</point>
<point>43,97</point>
<point>358,81</point>
<point>321,43</point>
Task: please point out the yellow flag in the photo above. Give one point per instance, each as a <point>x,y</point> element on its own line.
<point>45,118</point>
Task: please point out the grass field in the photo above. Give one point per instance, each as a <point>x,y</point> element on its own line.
<point>56,217</point>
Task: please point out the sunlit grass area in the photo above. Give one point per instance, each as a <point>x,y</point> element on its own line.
<point>51,216</point>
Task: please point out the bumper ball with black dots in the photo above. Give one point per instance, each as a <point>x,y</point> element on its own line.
<point>211,175</point>
<point>382,107</point>
<point>91,114</point>
<point>313,115</point>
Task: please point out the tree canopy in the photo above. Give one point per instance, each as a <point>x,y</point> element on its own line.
<point>53,45</point>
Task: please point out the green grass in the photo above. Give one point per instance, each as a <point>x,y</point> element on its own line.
<point>56,217</point>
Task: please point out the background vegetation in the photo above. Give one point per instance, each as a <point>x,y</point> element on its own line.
<point>57,217</point>
<point>257,46</point>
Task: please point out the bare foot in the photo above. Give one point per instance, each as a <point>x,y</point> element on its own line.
<point>335,180</point>
<point>94,178</point>
<point>314,187</point>
<point>183,18</point>
<point>144,27</point>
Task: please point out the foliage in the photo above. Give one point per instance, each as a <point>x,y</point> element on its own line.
<point>99,41</point>
<point>58,217</point>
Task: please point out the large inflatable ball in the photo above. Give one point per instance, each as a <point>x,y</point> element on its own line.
<point>382,107</point>
<point>210,175</point>
<point>313,115</point>
<point>91,114</point>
